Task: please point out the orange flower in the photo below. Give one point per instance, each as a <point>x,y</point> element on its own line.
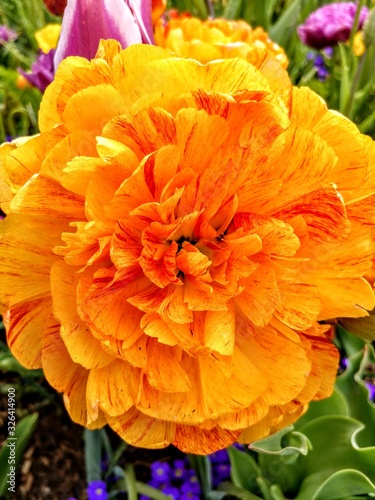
<point>174,235</point>
<point>213,39</point>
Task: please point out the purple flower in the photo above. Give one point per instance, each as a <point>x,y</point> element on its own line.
<point>371,391</point>
<point>328,52</point>
<point>219,456</point>
<point>330,24</point>
<point>160,472</point>
<point>97,490</point>
<point>189,487</point>
<point>322,74</point>
<point>171,492</point>
<point>220,473</point>
<point>7,34</point>
<point>320,65</point>
<point>42,72</point>
<point>179,469</point>
<point>84,24</point>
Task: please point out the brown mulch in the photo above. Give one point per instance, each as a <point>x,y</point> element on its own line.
<point>53,466</point>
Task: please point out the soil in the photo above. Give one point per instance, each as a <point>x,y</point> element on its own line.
<point>53,464</point>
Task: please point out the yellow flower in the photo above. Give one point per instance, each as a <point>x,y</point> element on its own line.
<point>48,36</point>
<point>213,39</point>
<point>173,238</point>
<point>358,44</point>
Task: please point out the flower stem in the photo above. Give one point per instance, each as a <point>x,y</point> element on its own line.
<point>353,88</point>
<point>356,22</point>
<point>131,483</point>
<point>145,489</point>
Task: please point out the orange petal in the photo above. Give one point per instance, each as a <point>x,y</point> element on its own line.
<point>113,388</point>
<point>140,430</point>
<point>25,326</point>
<point>83,347</point>
<point>44,197</point>
<point>260,296</point>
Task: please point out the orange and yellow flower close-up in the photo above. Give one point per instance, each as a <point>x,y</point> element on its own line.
<point>176,240</point>
<point>205,41</point>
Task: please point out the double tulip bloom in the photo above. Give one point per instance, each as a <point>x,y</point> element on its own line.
<point>331,24</point>
<point>174,239</point>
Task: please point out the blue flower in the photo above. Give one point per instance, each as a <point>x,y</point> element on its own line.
<point>371,391</point>
<point>190,488</point>
<point>171,492</point>
<point>219,456</point>
<point>190,492</point>
<point>179,469</point>
<point>97,490</point>
<point>220,473</point>
<point>160,472</point>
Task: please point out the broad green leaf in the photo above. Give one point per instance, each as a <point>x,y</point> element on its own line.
<point>347,482</point>
<point>353,388</point>
<point>233,9</point>
<point>336,404</point>
<point>23,432</point>
<point>286,24</point>
<point>362,327</point>
<point>334,448</point>
<point>201,8</point>
<point>368,31</point>
<point>349,342</point>
<point>244,469</point>
<point>226,489</point>
<point>286,442</point>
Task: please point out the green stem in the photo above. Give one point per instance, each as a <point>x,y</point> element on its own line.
<point>353,88</point>
<point>356,22</point>
<point>210,8</point>
<point>92,455</point>
<point>131,483</point>
<point>145,489</point>
<point>115,457</point>
<point>344,78</point>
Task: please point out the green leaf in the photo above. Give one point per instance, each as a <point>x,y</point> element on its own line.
<point>227,489</point>
<point>23,432</point>
<point>353,388</point>
<point>201,8</point>
<point>362,327</point>
<point>286,24</point>
<point>349,481</point>
<point>233,9</point>
<point>334,448</point>
<point>283,443</point>
<point>244,469</point>
<point>368,30</point>
<point>336,404</point>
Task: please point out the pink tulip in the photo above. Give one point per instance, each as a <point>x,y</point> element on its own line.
<point>85,22</point>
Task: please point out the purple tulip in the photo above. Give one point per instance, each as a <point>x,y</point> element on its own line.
<point>42,71</point>
<point>330,24</point>
<point>85,22</point>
